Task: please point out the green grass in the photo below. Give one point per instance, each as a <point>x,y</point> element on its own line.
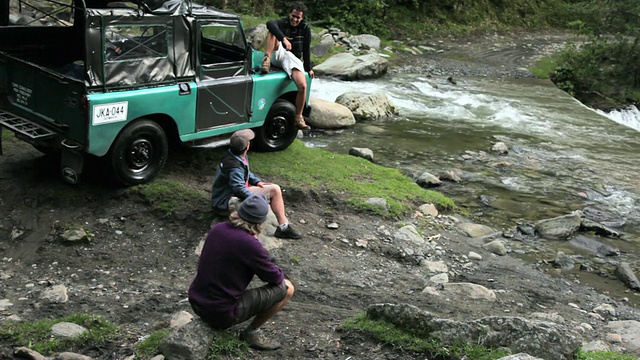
<point>37,335</point>
<point>150,347</point>
<point>544,67</point>
<point>401,340</point>
<point>226,344</point>
<point>603,355</point>
<point>169,196</point>
<point>345,177</point>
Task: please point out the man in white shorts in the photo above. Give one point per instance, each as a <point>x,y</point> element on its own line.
<point>234,179</point>
<point>288,47</point>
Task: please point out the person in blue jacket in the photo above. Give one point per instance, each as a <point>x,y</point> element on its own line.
<point>230,257</point>
<point>234,179</point>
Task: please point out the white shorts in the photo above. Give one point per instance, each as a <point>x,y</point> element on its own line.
<point>286,60</point>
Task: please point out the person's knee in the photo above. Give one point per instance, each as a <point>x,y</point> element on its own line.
<point>290,289</point>
<point>275,190</point>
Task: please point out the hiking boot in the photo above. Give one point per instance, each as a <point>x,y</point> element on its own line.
<point>258,341</point>
<point>300,123</point>
<point>266,64</point>
<point>287,233</point>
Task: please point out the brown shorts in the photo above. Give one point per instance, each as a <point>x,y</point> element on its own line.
<point>257,300</point>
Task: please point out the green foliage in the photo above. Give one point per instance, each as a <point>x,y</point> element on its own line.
<point>150,347</point>
<point>168,196</point>
<point>544,67</point>
<point>226,344</point>
<point>348,177</point>
<point>402,340</point>
<point>37,335</point>
<point>602,355</point>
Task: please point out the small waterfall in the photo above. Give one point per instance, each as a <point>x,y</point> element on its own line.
<point>629,117</point>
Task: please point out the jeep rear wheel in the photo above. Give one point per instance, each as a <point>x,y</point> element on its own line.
<point>139,153</point>
<point>279,129</point>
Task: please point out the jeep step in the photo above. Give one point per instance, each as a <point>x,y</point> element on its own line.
<point>24,127</point>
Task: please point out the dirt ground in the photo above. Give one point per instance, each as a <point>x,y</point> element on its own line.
<point>137,267</point>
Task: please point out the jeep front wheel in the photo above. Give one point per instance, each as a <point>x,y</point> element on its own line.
<point>279,129</point>
<point>139,153</point>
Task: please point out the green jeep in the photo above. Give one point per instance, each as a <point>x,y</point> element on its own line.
<point>122,80</point>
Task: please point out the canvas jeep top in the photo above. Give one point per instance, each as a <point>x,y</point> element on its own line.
<point>119,81</point>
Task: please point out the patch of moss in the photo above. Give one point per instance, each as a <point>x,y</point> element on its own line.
<point>37,335</point>
<point>226,344</point>
<point>150,347</point>
<point>351,178</point>
<point>401,340</point>
<point>544,67</point>
<point>602,355</point>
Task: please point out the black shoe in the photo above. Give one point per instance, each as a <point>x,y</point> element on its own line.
<point>258,341</point>
<point>287,233</point>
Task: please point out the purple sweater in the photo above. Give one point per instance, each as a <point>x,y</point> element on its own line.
<point>229,260</point>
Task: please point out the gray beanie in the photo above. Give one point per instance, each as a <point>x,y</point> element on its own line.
<point>254,209</point>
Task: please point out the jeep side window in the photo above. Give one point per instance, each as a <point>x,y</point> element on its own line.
<point>134,42</point>
<point>220,43</point>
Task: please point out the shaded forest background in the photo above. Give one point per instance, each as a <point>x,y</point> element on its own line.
<point>604,72</point>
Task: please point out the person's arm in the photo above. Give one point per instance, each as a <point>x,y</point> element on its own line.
<point>262,265</point>
<point>274,28</point>
<point>306,51</point>
<point>253,179</point>
<point>236,182</point>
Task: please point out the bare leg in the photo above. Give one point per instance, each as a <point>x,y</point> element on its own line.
<point>277,203</point>
<point>300,80</point>
<point>262,318</point>
<point>270,44</point>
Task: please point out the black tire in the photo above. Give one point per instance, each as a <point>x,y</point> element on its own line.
<point>139,153</point>
<point>279,129</point>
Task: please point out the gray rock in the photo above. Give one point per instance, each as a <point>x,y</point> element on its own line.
<point>364,153</point>
<point>594,245</point>
<point>189,342</point>
<point>629,330</point>
<point>476,230</point>
<point>428,180</point>
<point>597,228</point>
<point>563,260</point>
<point>256,35</point>
<point>560,227</point>
<point>56,294</point>
<point>500,148</point>
<point>543,339</point>
<point>5,304</point>
<point>378,203</point>
<point>429,209</point>
<point>468,291</point>
<point>349,67</point>
<point>520,356</point>
<point>597,345</point>
<point>67,330</point>
<point>624,272</point>
<point>71,356</point>
<point>367,41</point>
<point>409,233</point>
<point>365,106</point>
<point>329,115</point>
<point>26,353</point>
<point>496,247</point>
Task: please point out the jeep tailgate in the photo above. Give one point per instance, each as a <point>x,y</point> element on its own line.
<point>43,96</point>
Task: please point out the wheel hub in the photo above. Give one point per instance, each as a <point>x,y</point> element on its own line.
<point>140,154</point>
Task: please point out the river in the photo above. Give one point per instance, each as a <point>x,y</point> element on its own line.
<point>563,156</point>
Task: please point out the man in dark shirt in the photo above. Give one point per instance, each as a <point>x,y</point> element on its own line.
<point>231,256</point>
<point>288,47</point>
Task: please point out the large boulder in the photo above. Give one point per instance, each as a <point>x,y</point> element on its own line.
<point>543,339</point>
<point>189,342</point>
<point>329,115</point>
<point>367,106</point>
<point>349,67</point>
<point>256,35</point>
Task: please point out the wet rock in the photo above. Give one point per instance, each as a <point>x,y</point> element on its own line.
<point>544,339</point>
<point>560,227</point>
<point>597,228</point>
<point>500,148</point>
<point>597,247</point>
<point>451,175</point>
<point>366,106</point>
<point>624,272</point>
<point>563,261</point>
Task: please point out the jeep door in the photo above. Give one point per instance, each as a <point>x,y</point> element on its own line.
<point>224,82</point>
